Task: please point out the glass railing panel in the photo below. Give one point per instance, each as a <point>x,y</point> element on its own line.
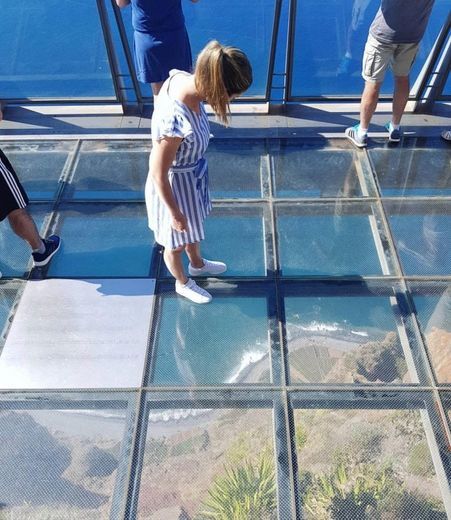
<point>53,51</point>
<point>328,62</point>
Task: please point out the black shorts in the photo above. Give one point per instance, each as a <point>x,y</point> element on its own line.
<point>12,194</point>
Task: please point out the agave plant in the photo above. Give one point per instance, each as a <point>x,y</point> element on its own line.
<point>246,492</point>
<point>347,493</point>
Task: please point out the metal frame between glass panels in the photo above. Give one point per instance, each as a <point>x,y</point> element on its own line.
<point>282,397</point>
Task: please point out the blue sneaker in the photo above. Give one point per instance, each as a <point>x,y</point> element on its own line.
<point>52,244</point>
<point>352,133</point>
<point>394,134</point>
<point>344,67</point>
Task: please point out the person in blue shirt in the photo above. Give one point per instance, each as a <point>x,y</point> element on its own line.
<point>161,41</point>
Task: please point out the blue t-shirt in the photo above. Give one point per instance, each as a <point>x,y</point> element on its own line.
<point>157,15</point>
<point>401,21</point>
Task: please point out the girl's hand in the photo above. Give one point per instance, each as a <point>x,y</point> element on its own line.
<point>179,222</point>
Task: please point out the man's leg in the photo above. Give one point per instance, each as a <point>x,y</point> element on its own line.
<point>400,97</point>
<point>368,104</point>
<point>23,226</point>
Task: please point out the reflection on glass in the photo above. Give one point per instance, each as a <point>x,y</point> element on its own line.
<point>357,28</point>
<point>423,241</point>
<point>201,463</point>
<point>401,172</point>
<point>343,340</point>
<point>316,173</point>
<point>103,240</point>
<point>366,465</point>
<point>59,463</point>
<point>328,62</point>
<point>225,342</point>
<point>434,314</point>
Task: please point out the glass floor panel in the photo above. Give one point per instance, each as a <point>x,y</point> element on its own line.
<point>310,171</point>
<point>15,255</point>
<point>200,449</point>
<point>40,166</point>
<point>418,169</point>
<point>8,295</point>
<point>433,310</point>
<point>103,240</point>
<point>329,239</point>
<point>210,345</point>
<point>422,234</point>
<point>344,339</point>
<point>236,235</point>
<point>332,309</point>
<point>366,464</point>
<point>76,451</point>
<point>110,171</point>
<point>237,169</point>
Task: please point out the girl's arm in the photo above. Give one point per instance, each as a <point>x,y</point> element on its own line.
<point>161,158</point>
<point>122,3</point>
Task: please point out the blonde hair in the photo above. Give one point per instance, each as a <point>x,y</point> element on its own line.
<point>221,72</point>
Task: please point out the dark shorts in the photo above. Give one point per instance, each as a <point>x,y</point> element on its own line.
<point>158,53</point>
<point>12,194</point>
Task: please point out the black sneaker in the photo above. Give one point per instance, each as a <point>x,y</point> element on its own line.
<point>52,244</point>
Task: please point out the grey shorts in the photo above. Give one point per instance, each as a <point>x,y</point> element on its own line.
<point>378,56</point>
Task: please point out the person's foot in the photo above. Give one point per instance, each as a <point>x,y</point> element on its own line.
<point>209,267</point>
<point>52,244</point>
<point>193,292</point>
<point>446,135</point>
<point>345,66</point>
<point>353,134</point>
<point>394,134</point>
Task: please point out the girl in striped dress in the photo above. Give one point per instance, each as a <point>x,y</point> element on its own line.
<point>177,193</point>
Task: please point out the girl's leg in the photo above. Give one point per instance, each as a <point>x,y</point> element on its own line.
<point>193,252</point>
<point>173,261</point>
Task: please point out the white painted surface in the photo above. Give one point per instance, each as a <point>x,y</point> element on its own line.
<point>79,334</point>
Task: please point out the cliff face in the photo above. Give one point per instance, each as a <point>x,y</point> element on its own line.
<point>439,347</point>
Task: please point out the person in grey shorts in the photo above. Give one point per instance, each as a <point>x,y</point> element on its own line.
<point>393,41</point>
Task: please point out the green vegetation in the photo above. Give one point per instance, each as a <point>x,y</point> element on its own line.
<point>420,461</point>
<point>246,492</point>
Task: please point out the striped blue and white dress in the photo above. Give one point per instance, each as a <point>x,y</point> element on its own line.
<point>188,175</point>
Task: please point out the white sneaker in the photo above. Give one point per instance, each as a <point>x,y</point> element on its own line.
<point>209,267</point>
<point>193,292</point>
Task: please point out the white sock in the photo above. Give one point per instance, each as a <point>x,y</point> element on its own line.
<point>394,127</point>
<point>40,249</point>
<point>362,131</point>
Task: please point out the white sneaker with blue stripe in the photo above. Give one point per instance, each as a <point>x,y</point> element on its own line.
<point>353,134</point>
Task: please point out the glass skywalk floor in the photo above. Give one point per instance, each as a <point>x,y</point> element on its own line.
<point>317,382</point>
